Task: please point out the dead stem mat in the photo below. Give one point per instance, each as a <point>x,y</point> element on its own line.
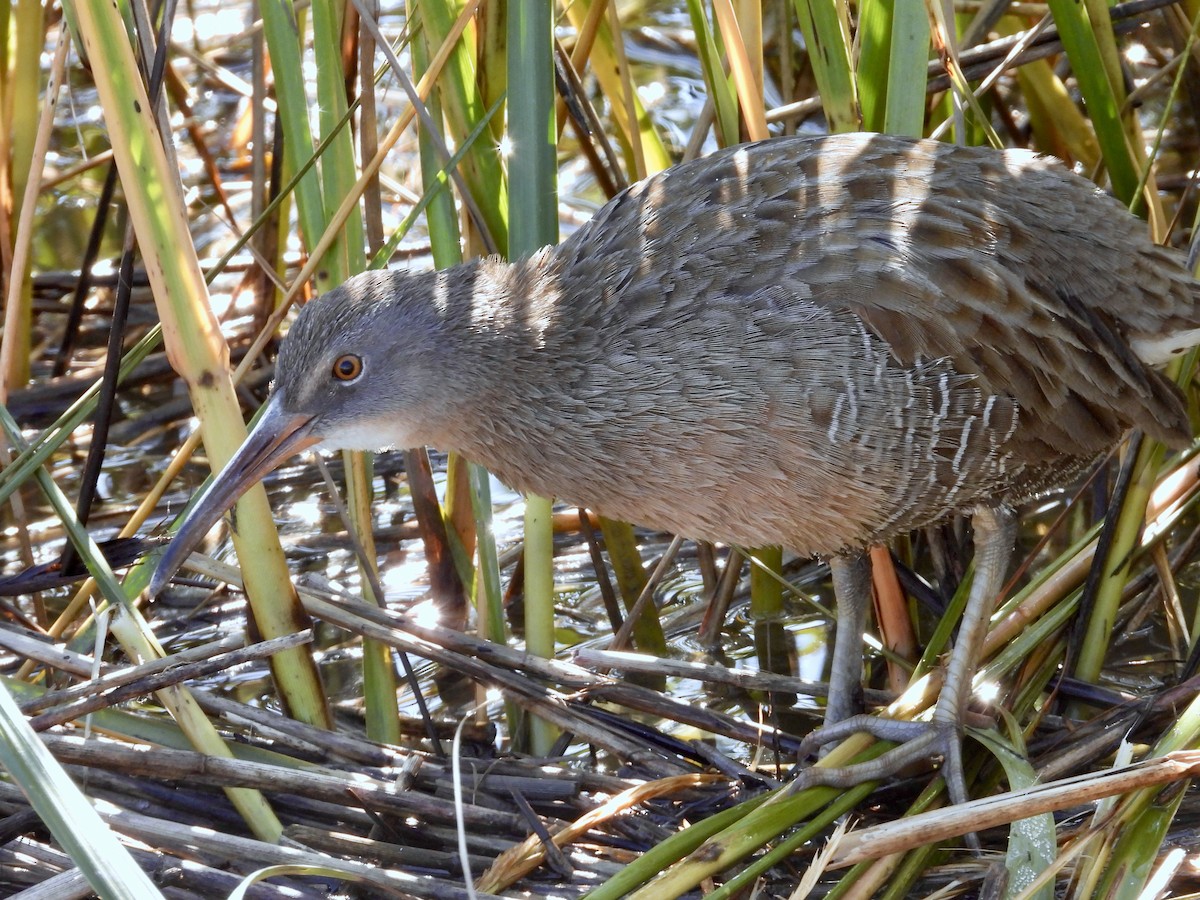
<point>441,807</point>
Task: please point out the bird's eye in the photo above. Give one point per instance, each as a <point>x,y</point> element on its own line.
<point>348,367</point>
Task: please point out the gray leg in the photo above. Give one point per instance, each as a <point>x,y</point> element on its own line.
<point>852,592</point>
<point>995,537</point>
<point>995,531</point>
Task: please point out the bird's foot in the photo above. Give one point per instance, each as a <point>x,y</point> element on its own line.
<point>916,742</point>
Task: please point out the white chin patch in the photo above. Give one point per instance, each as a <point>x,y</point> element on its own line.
<point>377,434</point>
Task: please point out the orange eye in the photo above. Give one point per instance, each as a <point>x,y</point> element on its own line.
<point>348,367</point>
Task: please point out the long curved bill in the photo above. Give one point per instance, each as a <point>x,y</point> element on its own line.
<point>277,436</point>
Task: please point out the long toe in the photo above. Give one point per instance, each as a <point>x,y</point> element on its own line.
<point>915,742</point>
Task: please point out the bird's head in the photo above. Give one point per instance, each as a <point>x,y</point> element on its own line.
<point>363,367</point>
<point>359,370</point>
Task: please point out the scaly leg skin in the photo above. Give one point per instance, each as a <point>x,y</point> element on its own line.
<point>852,594</point>
<point>995,533</point>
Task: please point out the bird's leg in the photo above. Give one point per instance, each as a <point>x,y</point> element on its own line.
<point>852,593</point>
<point>995,531</point>
<point>995,537</point>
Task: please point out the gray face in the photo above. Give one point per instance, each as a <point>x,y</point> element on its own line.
<point>362,363</point>
<point>358,370</point>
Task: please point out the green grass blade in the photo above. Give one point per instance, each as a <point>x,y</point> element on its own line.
<point>533,222</point>
<point>826,28</point>
<point>1082,39</point>
<point>92,846</point>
